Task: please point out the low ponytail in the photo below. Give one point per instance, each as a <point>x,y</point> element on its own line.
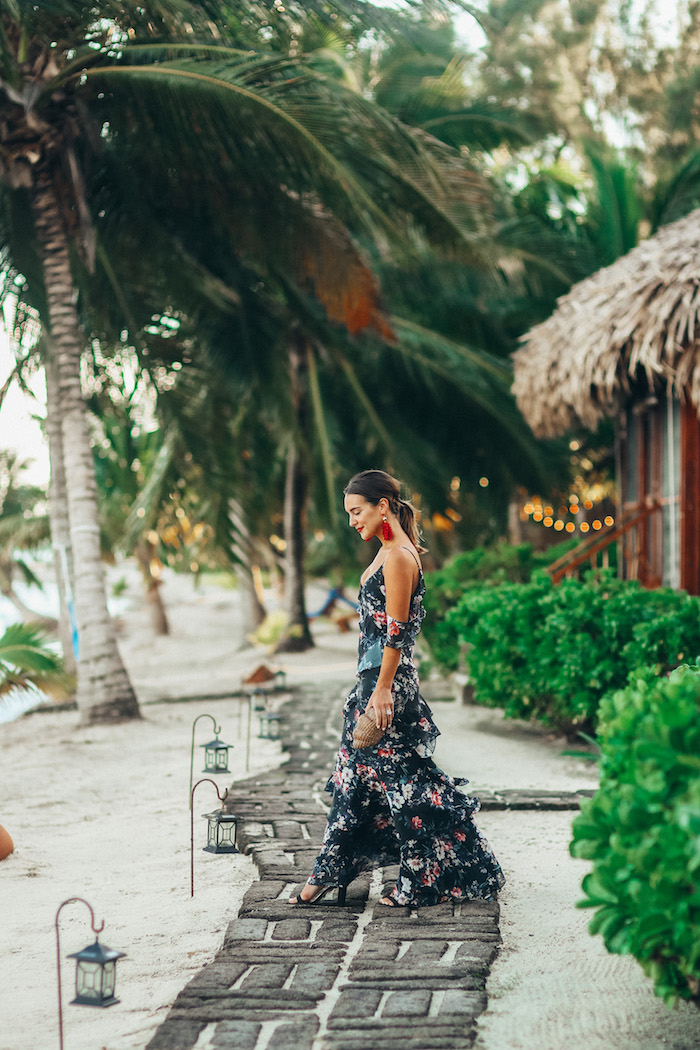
<point>409,523</point>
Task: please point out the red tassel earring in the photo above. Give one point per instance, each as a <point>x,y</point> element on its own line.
<point>387,531</point>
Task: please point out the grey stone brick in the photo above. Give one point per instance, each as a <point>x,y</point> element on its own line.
<point>312,976</point>
<point>244,930</point>
<point>333,930</point>
<point>407,1004</point>
<point>243,1035</point>
<point>354,1003</point>
<point>217,975</point>
<point>296,1036</point>
<point>292,930</point>
<point>461,1001</point>
<point>424,953</point>
<point>267,975</point>
<point>176,1034</point>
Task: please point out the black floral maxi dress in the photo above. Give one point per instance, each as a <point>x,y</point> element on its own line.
<point>391,802</point>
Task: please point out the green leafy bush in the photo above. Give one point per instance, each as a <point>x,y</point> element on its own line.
<point>551,652</point>
<point>480,567</point>
<point>642,831</point>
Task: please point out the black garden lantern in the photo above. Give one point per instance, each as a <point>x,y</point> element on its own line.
<point>221,829</point>
<point>269,726</point>
<point>95,975</point>
<point>215,756</point>
<point>221,832</point>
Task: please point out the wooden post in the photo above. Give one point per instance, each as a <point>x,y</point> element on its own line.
<point>690,498</point>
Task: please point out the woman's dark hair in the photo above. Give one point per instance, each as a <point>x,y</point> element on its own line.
<point>377,484</point>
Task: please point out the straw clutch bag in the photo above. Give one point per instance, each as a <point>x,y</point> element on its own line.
<point>367,733</point>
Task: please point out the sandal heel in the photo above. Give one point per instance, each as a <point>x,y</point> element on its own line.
<point>342,890</point>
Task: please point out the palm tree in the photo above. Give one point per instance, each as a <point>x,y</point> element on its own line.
<point>27,662</point>
<point>250,136</point>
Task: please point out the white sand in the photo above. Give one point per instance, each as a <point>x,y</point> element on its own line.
<point>102,813</point>
<point>553,986</point>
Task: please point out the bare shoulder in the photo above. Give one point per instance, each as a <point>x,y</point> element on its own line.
<point>400,563</point>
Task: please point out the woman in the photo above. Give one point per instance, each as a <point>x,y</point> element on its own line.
<point>391,803</point>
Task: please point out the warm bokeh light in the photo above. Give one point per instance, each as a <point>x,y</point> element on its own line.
<point>584,526</point>
<point>549,510</point>
<point>587,504</point>
<point>537,516</point>
<point>558,525</point>
<point>609,520</point>
<point>597,524</point>
<point>547,521</point>
<point>573,509</point>
<point>483,482</point>
<point>570,527</point>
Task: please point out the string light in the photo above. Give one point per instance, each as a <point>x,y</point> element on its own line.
<point>544,514</point>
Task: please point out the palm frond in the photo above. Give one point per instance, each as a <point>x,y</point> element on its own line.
<point>322,431</point>
<point>23,651</point>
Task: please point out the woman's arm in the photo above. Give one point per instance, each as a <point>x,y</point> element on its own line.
<point>399,582</point>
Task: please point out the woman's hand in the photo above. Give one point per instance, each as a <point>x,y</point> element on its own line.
<point>380,707</point>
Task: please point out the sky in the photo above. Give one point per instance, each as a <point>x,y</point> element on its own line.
<point>17,428</point>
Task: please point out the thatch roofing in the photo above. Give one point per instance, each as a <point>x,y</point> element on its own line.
<point>639,317</point>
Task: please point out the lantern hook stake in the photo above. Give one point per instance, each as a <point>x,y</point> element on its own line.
<point>95,929</point>
<point>222,799</point>
<point>217,730</point>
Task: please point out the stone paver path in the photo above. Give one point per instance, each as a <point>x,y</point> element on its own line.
<point>323,977</point>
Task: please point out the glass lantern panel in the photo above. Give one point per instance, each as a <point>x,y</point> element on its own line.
<point>209,760</point>
<point>211,832</point>
<point>108,981</point>
<point>221,759</point>
<point>88,980</point>
<point>227,833</point>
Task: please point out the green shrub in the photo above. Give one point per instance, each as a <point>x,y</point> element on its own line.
<point>480,567</point>
<point>551,652</point>
<point>642,831</point>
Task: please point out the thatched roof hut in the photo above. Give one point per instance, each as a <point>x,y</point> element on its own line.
<point>636,320</point>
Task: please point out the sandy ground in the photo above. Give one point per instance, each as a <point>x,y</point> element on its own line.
<point>553,986</point>
<point>102,813</point>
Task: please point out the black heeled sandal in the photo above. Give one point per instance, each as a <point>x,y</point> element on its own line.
<point>317,897</point>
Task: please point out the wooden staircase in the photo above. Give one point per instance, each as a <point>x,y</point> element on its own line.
<point>637,564</point>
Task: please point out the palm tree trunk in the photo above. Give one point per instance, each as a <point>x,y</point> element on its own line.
<point>58,513</point>
<point>145,552</point>
<point>297,636</point>
<point>104,690</point>
<point>254,613</point>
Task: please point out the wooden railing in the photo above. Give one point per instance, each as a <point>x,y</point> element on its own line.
<point>588,549</point>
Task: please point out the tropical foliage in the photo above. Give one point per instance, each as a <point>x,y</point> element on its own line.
<point>641,830</point>
<point>27,661</point>
<point>551,652</point>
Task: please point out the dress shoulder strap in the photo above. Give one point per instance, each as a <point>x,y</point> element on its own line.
<point>413,555</point>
